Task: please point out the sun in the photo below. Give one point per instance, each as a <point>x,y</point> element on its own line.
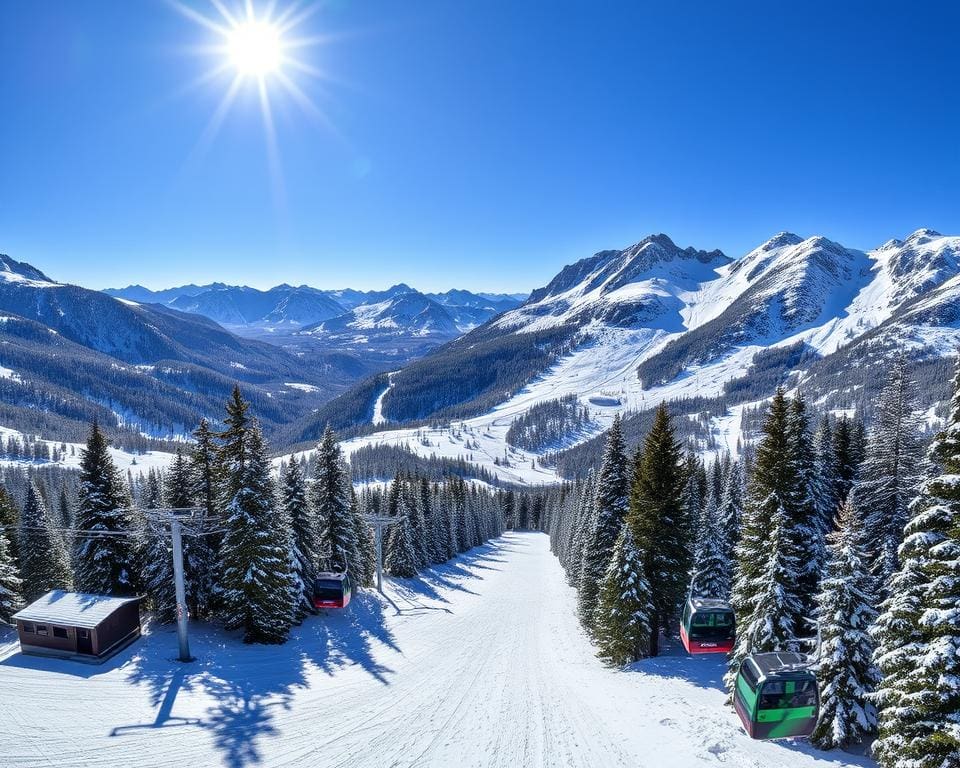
<point>261,47</point>
<point>255,48</point>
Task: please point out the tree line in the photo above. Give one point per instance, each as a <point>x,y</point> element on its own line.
<point>253,544</point>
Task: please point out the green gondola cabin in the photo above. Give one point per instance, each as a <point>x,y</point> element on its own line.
<point>707,626</point>
<point>776,695</point>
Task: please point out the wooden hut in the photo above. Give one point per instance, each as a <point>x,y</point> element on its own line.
<point>77,625</point>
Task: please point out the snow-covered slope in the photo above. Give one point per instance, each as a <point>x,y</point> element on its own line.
<point>480,662</point>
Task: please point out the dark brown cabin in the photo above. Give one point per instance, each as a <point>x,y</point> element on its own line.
<point>77,625</point>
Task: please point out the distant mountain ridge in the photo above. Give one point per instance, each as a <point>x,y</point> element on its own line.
<point>71,354</point>
<point>291,308</point>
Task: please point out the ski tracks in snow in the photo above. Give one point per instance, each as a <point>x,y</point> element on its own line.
<point>480,663</point>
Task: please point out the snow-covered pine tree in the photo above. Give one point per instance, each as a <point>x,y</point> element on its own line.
<point>765,594</point>
<point>337,541</point>
<point>713,569</point>
<point>918,632</point>
<point>366,546</point>
<point>11,587</point>
<point>892,469</point>
<point>204,467</point>
<point>610,509</point>
<point>258,587</point>
<point>157,574</point>
<point>846,672</point>
<point>418,524</point>
<point>730,513</point>
<point>824,488</point>
<point>440,524</point>
<point>425,505</point>
<point>460,516</point>
<point>9,521</point>
<point>621,622</point>
<point>661,527</point>
<point>43,558</point>
<point>401,557</point>
<point>844,461</point>
<point>807,535</point>
<point>103,564</point>
<point>303,540</point>
<point>581,528</point>
<point>694,500</point>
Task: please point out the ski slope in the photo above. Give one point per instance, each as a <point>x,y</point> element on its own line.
<point>479,663</point>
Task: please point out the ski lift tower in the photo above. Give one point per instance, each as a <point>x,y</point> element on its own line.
<point>176,517</point>
<point>378,523</point>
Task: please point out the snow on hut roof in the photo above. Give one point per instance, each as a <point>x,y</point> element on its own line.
<point>73,609</point>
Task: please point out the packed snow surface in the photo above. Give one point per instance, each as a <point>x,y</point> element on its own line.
<point>478,663</point>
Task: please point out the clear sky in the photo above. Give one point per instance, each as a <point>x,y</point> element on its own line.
<point>477,143</point>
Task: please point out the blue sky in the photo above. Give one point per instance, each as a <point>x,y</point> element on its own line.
<point>470,144</point>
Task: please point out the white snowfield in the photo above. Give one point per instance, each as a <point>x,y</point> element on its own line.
<point>478,663</point>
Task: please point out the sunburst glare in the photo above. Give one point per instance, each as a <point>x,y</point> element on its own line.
<point>257,47</point>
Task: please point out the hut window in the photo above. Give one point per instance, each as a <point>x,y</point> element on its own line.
<point>27,628</point>
<point>42,629</point>
<point>59,632</point>
<point>83,634</point>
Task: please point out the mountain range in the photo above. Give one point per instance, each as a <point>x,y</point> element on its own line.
<point>345,316</point>
<point>623,330</point>
<point>616,332</point>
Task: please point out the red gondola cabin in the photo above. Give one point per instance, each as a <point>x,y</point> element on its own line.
<point>707,626</point>
<point>332,590</point>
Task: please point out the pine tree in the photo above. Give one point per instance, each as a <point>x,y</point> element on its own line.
<point>766,596</point>
<point>844,459</point>
<point>729,514</point>
<point>104,564</point>
<point>713,568</point>
<point>43,558</point>
<point>660,523</point>
<point>401,557</point>
<point>806,533</point>
<point>329,493</point>
<point>366,545</point>
<point>10,521</point>
<point>622,616</point>
<point>824,488</point>
<point>304,542</point>
<point>157,559</point>
<point>11,587</point>
<point>204,466</point>
<point>891,471</point>
<point>610,509</point>
<point>846,673</point>
<point>918,632</point>
<point>257,582</point>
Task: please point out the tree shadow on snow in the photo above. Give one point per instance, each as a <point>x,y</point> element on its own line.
<point>248,686</point>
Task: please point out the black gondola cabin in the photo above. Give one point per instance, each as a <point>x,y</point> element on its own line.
<point>776,695</point>
<point>332,590</point>
<point>707,626</point>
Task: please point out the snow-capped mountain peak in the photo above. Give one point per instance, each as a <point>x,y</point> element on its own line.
<point>19,271</point>
<point>639,285</point>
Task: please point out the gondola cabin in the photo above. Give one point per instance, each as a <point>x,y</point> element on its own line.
<point>776,696</point>
<point>707,626</point>
<point>332,590</point>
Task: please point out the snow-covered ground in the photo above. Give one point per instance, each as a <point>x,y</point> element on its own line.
<point>601,372</point>
<point>124,460</point>
<point>479,663</point>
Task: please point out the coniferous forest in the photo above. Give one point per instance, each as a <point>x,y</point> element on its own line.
<point>827,539</point>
